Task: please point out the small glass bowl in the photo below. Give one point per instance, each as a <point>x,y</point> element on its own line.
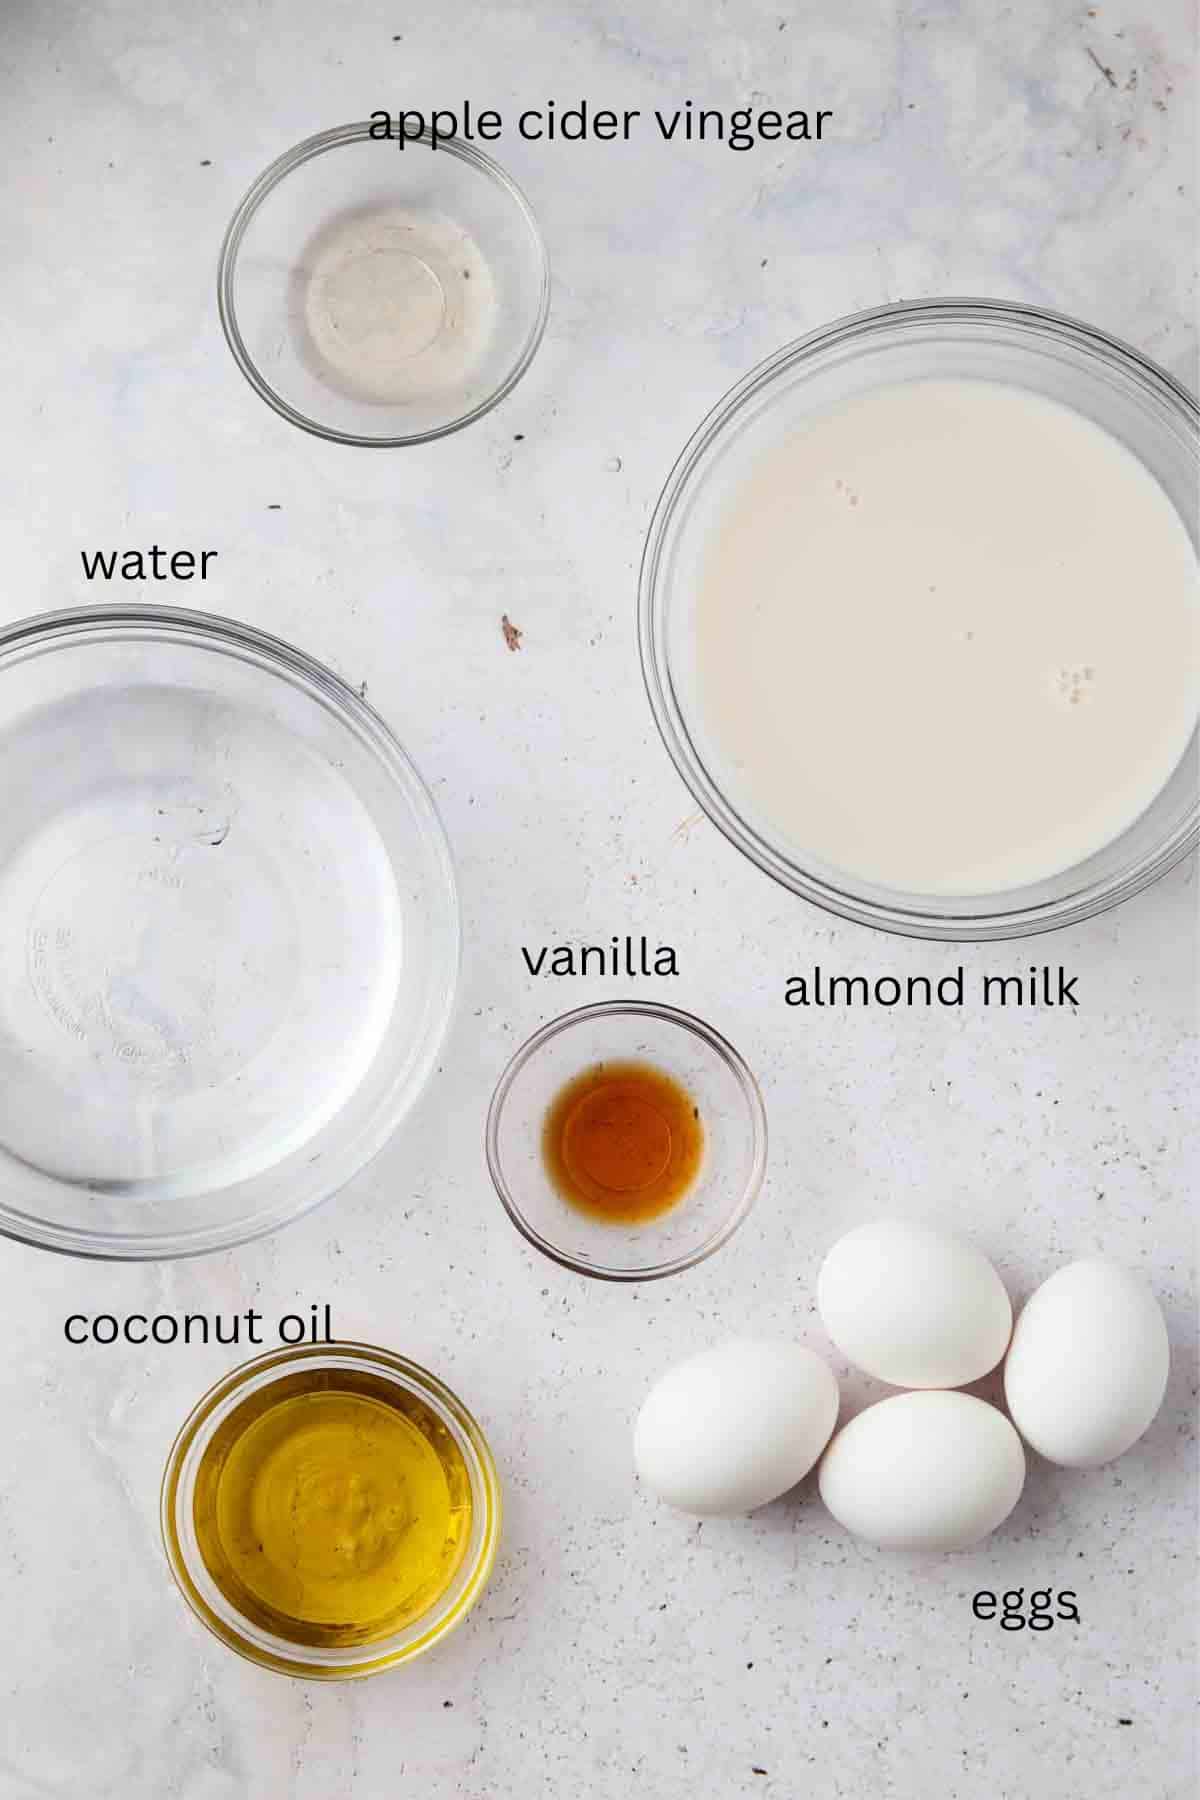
<point>1106,381</point>
<point>731,1113</point>
<point>333,179</point>
<point>249,1639</point>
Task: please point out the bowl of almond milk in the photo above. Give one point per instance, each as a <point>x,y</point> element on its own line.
<point>920,619</point>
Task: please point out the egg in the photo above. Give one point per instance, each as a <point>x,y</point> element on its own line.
<point>925,1471</point>
<point>735,1426</point>
<point>1088,1364</point>
<point>913,1306</point>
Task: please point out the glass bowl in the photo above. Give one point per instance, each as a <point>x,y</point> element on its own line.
<point>731,1114</point>
<point>231,932</point>
<point>1073,364</point>
<point>340,1364</point>
<point>382,296</point>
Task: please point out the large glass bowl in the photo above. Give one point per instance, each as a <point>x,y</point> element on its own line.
<point>230,936</point>
<point>277,246</point>
<point>1073,364</point>
<point>338,1365</point>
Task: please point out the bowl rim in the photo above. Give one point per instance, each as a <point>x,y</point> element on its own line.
<point>333,139</point>
<point>671,1015</point>
<point>407,1374</point>
<point>1007,921</point>
<point>43,633</point>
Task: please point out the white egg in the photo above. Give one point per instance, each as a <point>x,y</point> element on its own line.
<point>930,1471</point>
<point>1088,1364</point>
<point>913,1306</point>
<point>736,1426</point>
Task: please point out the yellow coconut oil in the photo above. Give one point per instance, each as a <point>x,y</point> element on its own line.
<point>332,1507</point>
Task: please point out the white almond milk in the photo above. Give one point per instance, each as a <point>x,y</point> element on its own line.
<point>948,638</point>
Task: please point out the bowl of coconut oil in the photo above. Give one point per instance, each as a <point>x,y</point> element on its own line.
<point>377,293</point>
<point>329,1511</point>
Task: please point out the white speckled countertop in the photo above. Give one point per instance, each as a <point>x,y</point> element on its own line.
<point>1042,151</point>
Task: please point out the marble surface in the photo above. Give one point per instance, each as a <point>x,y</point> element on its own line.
<point>1043,151</point>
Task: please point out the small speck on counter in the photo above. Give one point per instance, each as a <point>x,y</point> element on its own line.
<point>1103,68</point>
<point>512,633</point>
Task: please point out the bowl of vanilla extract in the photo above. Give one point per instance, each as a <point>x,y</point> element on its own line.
<point>627,1140</point>
<point>330,1511</point>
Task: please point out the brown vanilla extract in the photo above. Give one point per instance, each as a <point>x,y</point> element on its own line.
<point>623,1142</point>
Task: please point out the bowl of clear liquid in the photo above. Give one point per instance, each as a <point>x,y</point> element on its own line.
<point>231,932</point>
<point>380,294</point>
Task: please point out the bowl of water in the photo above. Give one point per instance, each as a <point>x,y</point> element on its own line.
<point>231,939</point>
